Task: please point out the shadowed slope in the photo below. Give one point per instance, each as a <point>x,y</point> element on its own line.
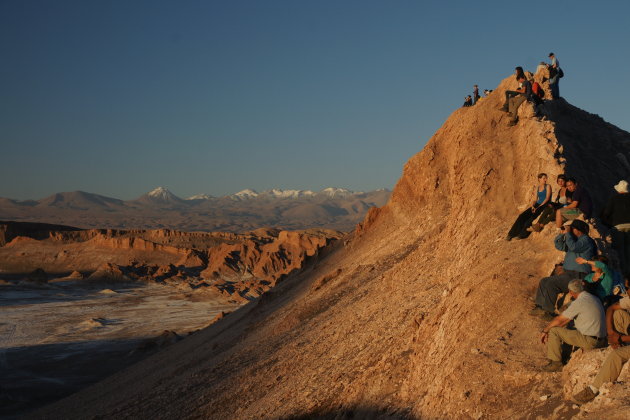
<point>422,314</point>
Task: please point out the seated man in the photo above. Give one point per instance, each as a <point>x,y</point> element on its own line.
<point>576,243</point>
<point>618,328</point>
<point>581,204</point>
<point>590,326</point>
<point>525,94</point>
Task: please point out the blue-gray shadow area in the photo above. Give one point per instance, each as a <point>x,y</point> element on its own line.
<point>11,295</point>
<point>34,376</point>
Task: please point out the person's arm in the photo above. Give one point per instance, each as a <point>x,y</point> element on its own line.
<point>573,204</point>
<point>560,242</point>
<point>577,245</point>
<point>559,321</point>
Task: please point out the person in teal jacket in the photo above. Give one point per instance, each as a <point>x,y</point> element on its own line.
<point>601,279</point>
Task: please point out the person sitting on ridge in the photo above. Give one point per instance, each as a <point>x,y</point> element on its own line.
<point>563,198</point>
<point>576,243</point>
<point>587,313</point>
<point>600,281</point>
<point>581,204</point>
<point>618,329</point>
<point>525,94</point>
<point>524,220</point>
<point>518,72</point>
<point>467,101</point>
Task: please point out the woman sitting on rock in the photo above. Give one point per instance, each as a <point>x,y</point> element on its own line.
<point>525,219</point>
<point>549,213</point>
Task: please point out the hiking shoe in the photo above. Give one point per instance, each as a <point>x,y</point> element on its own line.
<point>553,366</point>
<point>584,396</point>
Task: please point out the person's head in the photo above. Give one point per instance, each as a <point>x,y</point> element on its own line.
<point>521,77</point>
<point>571,184</point>
<point>542,178</point>
<point>579,228</point>
<point>475,86</point>
<point>518,70</point>
<point>575,287</point>
<point>551,55</point>
<point>561,180</point>
<point>622,187</point>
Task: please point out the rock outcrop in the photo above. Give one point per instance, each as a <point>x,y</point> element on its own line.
<point>243,265</point>
<point>423,314</point>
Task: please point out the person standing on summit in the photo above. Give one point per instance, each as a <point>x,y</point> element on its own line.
<point>554,76</point>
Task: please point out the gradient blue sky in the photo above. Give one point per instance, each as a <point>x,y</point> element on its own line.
<point>118,97</point>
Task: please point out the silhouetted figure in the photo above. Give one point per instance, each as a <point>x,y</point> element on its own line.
<point>616,215</point>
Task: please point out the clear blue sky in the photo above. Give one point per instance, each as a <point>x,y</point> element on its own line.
<point>118,97</point>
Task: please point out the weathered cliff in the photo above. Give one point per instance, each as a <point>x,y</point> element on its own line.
<point>423,314</point>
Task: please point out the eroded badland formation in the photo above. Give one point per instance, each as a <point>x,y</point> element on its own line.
<point>421,313</point>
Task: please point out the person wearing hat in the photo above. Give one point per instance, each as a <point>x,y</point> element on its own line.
<point>587,313</point>
<point>577,244</point>
<point>618,330</point>
<point>554,77</point>
<point>616,215</point>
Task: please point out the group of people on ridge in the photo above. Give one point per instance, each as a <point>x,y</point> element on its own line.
<point>530,90</point>
<point>598,313</point>
<point>471,100</point>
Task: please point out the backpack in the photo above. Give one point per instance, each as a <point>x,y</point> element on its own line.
<point>560,73</point>
<point>538,90</point>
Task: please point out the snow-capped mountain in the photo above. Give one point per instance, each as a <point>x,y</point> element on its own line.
<point>160,195</point>
<point>244,194</point>
<point>277,193</point>
<point>338,192</point>
<point>201,197</point>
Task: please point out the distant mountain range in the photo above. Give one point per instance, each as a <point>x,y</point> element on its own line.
<point>334,208</point>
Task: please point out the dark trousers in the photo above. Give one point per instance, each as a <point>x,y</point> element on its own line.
<point>550,287</point>
<point>621,244</point>
<point>549,214</point>
<point>523,221</point>
<point>555,90</point>
<point>508,95</point>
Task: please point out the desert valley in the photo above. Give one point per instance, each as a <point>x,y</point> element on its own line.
<point>420,311</point>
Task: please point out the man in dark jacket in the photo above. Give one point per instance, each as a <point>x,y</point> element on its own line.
<point>576,243</point>
<point>581,204</point>
<point>616,215</point>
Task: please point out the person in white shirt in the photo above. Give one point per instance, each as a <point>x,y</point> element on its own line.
<point>587,313</point>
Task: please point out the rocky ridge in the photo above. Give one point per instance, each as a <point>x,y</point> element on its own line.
<point>422,314</point>
<point>239,266</point>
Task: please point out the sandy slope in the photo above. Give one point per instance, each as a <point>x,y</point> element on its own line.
<point>423,314</point>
